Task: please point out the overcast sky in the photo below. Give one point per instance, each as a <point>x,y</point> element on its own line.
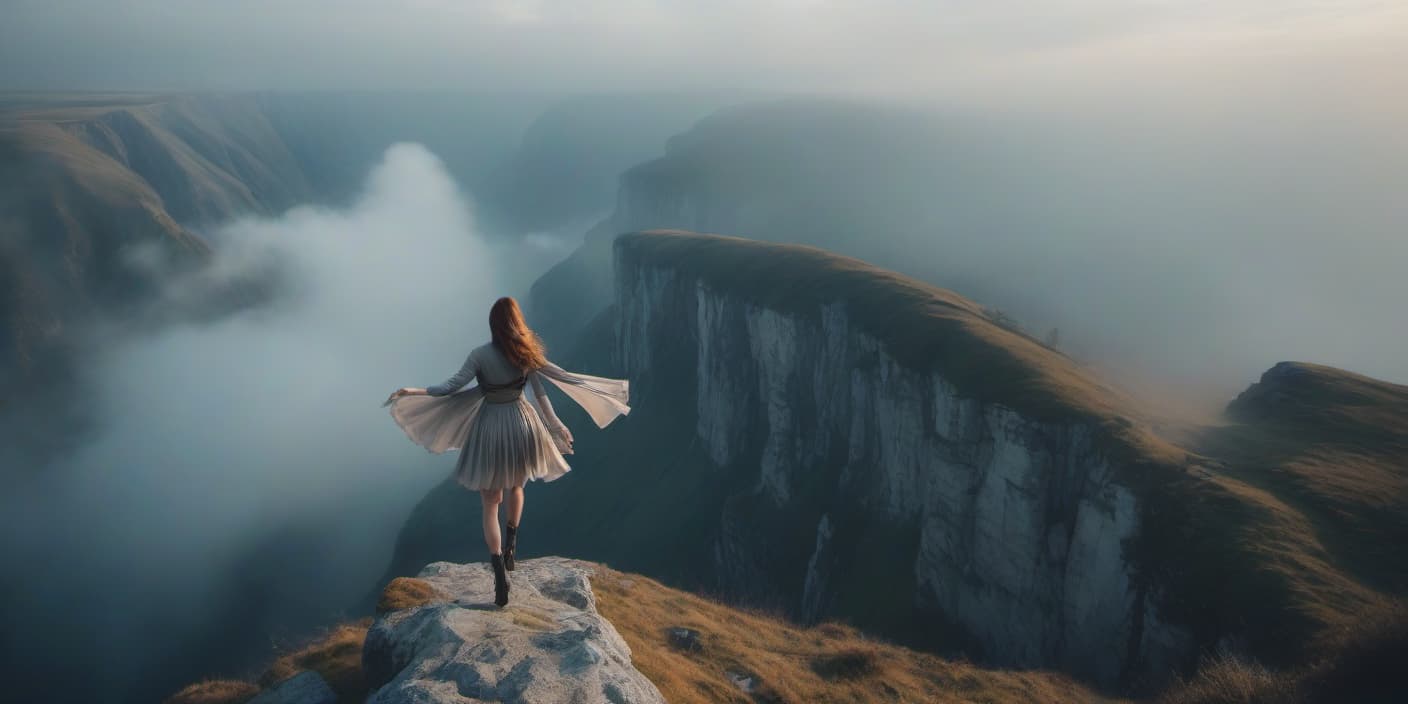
<point>573,45</point>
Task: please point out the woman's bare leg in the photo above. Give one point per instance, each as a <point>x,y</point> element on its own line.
<point>489,500</point>
<point>513,505</point>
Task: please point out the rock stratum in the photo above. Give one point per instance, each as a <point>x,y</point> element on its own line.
<point>548,645</point>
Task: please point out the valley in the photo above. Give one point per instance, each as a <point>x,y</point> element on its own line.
<point>829,445</point>
<point>854,444</point>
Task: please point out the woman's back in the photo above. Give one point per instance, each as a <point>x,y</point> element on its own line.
<point>494,367</point>
<point>505,439</point>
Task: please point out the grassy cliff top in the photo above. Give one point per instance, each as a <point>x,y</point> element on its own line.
<point>1322,455</point>
<point>792,663</point>
<point>785,661</point>
<point>1326,400</point>
<point>923,327</point>
<point>1281,525</point>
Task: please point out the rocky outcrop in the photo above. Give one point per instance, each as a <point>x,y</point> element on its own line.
<point>939,463</point>
<point>306,687</point>
<point>548,645</point>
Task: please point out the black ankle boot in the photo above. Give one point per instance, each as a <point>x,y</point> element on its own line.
<point>510,542</point>
<point>500,580</point>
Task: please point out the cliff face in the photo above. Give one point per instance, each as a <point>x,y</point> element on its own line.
<point>832,440</point>
<point>1012,525</point>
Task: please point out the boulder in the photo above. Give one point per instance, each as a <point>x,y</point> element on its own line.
<point>548,645</point>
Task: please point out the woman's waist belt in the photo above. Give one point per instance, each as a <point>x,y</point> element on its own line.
<point>503,393</point>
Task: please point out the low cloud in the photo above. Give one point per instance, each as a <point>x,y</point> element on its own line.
<point>219,439</point>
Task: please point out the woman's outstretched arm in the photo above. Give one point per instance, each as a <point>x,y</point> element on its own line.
<point>467,371</point>
<point>545,409</point>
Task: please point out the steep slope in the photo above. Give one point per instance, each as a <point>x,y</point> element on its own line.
<point>1228,556</point>
<point>104,199</point>
<point>1323,454</point>
<point>98,198</point>
<point>998,481</point>
<point>841,441</point>
<point>71,213</point>
<point>210,157</point>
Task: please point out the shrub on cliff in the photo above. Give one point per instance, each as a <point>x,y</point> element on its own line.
<point>1361,662</point>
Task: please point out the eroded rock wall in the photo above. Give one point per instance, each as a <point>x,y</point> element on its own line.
<point>1011,528</point>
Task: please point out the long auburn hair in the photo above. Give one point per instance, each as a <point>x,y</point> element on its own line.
<point>513,337</point>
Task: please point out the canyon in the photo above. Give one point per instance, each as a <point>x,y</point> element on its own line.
<point>822,437</point>
<point>836,441</point>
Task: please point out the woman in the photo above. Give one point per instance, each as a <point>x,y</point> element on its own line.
<point>504,439</point>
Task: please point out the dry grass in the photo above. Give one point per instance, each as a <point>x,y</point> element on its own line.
<point>337,657</point>
<point>1230,680</point>
<point>789,663</point>
<point>1359,662</point>
<point>1316,485</point>
<point>1363,660</point>
<point>406,592</point>
<point>215,692</point>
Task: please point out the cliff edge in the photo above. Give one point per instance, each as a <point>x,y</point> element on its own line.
<point>984,480</point>
<point>447,642</point>
<point>835,441</point>
<point>583,632</point>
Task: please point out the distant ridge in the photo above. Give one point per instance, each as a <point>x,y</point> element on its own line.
<point>1279,526</point>
<point>93,184</point>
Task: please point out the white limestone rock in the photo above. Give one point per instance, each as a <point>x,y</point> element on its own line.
<point>548,645</point>
<point>1022,525</point>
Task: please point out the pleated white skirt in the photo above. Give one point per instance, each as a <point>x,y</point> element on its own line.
<point>501,445</point>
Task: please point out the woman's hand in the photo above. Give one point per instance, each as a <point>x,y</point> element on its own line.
<point>563,435</point>
<point>403,392</point>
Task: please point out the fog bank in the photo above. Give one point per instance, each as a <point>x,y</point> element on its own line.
<point>244,480</point>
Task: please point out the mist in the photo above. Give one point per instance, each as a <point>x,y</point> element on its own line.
<point>1015,48</point>
<point>243,468</point>
<point>1189,191</point>
<point>1180,250</point>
